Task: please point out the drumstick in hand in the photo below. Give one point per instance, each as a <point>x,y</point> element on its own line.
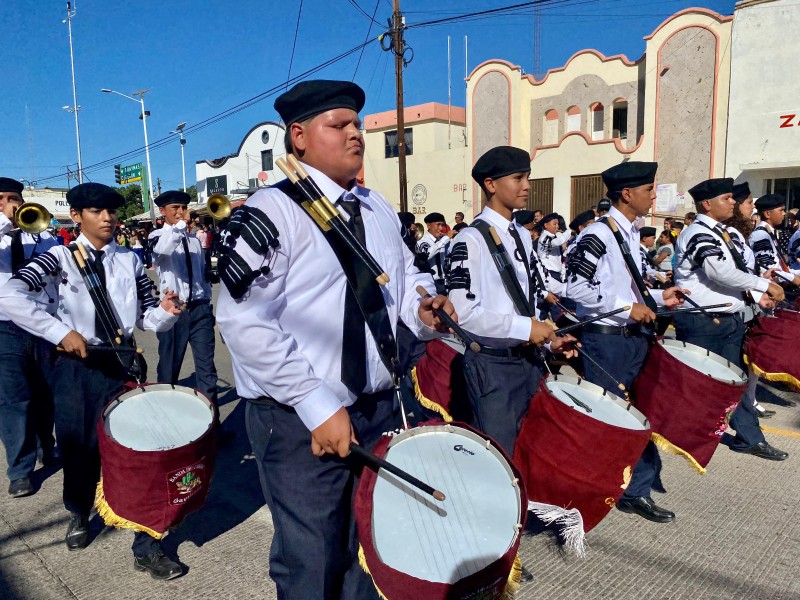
<point>583,353</point>
<point>378,463</point>
<point>122,349</point>
<point>702,310</point>
<point>457,329</point>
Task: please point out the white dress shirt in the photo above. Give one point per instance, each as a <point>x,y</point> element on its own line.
<point>598,278</point>
<point>550,252</point>
<point>490,315</point>
<point>762,241</point>
<point>285,334</point>
<point>794,250</point>
<point>129,293</point>
<point>704,265</point>
<point>169,259</point>
<point>649,270</point>
<point>32,245</point>
<point>436,251</point>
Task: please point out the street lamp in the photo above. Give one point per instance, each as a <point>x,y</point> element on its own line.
<point>75,108</point>
<point>179,131</point>
<point>140,100</point>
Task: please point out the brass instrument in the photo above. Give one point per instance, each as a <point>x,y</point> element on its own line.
<point>32,218</point>
<point>219,207</point>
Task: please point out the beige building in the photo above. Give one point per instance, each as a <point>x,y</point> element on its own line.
<point>437,162</point>
<point>670,105</point>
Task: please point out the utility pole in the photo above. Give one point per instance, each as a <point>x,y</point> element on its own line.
<point>398,45</point>
<point>75,108</point>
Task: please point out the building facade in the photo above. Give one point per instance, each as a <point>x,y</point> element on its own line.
<point>251,167</point>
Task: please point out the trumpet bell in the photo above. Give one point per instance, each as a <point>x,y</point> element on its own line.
<point>219,207</point>
<point>32,218</point>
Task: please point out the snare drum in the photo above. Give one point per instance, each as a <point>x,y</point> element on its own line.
<point>687,393</point>
<point>157,451</point>
<point>464,547</point>
<point>577,448</point>
<point>770,347</point>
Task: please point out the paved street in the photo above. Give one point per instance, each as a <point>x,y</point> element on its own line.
<point>737,534</point>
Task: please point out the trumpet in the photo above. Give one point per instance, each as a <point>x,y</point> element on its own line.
<point>32,218</point>
<point>219,207</point>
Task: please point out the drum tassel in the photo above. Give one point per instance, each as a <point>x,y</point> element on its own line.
<point>667,446</point>
<point>777,377</point>
<point>112,519</point>
<point>426,402</point>
<point>565,523</point>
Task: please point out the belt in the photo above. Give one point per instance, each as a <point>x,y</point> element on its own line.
<point>520,351</point>
<point>623,330</point>
<point>362,398</point>
<point>196,303</point>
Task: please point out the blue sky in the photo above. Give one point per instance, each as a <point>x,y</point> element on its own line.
<point>201,57</point>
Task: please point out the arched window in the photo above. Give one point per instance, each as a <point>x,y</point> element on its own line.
<point>550,128</point>
<point>596,117</point>
<point>573,119</point>
<point>619,119</point>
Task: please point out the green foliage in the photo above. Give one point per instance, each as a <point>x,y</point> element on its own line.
<point>192,191</point>
<point>133,202</point>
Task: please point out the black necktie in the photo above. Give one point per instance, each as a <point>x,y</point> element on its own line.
<point>185,243</point>
<point>17,252</point>
<point>99,330</point>
<point>521,255</point>
<point>354,346</point>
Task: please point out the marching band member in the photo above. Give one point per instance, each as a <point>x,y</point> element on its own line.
<point>715,272</point>
<point>84,381</point>
<point>548,289</point>
<point>498,312</point>
<point>772,210</point>
<point>604,274</point>
<point>26,402</point>
<point>314,376</point>
<point>647,242</point>
<point>180,265</point>
<point>434,246</point>
<point>551,246</point>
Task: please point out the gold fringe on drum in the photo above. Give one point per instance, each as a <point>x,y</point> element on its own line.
<point>113,519</point>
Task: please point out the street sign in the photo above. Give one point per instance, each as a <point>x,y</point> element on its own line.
<point>217,185</point>
<point>130,173</point>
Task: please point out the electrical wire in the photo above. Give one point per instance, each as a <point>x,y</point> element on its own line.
<point>294,43</point>
<point>355,5</point>
<point>369,31</point>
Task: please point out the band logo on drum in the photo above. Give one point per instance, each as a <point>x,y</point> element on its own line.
<point>186,482</point>
<point>460,448</point>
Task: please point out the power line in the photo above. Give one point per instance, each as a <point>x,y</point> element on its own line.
<point>355,5</point>
<point>294,43</point>
<point>369,31</point>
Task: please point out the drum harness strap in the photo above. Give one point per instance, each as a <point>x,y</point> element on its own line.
<point>738,259</point>
<point>633,268</point>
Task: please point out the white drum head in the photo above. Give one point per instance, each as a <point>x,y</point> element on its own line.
<point>597,402</point>
<point>158,417</point>
<point>704,361</point>
<point>444,542</point>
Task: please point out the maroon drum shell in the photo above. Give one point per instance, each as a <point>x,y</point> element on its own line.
<point>684,406</point>
<point>394,584</point>
<point>140,486</point>
<point>770,347</point>
<point>571,460</point>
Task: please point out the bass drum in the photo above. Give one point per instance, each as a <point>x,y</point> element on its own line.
<point>770,348</point>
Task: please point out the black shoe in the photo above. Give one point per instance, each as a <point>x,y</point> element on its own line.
<point>158,565</point>
<point>764,413</point>
<point>20,487</point>
<point>77,533</point>
<point>764,450</point>
<point>525,576</point>
<point>646,508</point>
<point>51,458</point>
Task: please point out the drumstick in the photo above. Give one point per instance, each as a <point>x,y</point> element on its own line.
<point>457,329</point>
<point>702,310</point>
<point>122,349</point>
<point>610,313</point>
<point>583,353</point>
<point>667,311</point>
<point>377,462</point>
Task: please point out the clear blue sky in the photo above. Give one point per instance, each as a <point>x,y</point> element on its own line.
<point>201,57</point>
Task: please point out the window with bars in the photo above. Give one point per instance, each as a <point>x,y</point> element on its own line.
<point>391,143</point>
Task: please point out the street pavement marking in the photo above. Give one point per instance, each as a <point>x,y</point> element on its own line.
<point>784,432</point>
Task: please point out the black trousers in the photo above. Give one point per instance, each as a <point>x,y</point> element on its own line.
<point>314,550</point>
<point>725,339</point>
<point>195,326</point>
<point>499,390</point>
<point>81,389</point>
<point>623,357</point>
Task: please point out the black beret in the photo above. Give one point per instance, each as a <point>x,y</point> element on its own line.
<point>647,232</point>
<point>548,218</point>
<point>582,219</point>
<point>435,218</point>
<point>499,162</point>
<point>94,195</point>
<point>711,188</point>
<point>604,204</point>
<point>523,217</point>
<point>10,185</point>
<point>770,201</point>
<point>629,174</point>
<point>173,197</point>
<point>741,191</point>
<point>310,98</point>
<point>406,218</point>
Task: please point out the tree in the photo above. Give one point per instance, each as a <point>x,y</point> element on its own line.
<point>133,202</point>
<point>192,191</point>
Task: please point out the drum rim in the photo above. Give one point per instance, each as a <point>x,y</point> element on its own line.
<point>627,406</point>
<point>708,354</point>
